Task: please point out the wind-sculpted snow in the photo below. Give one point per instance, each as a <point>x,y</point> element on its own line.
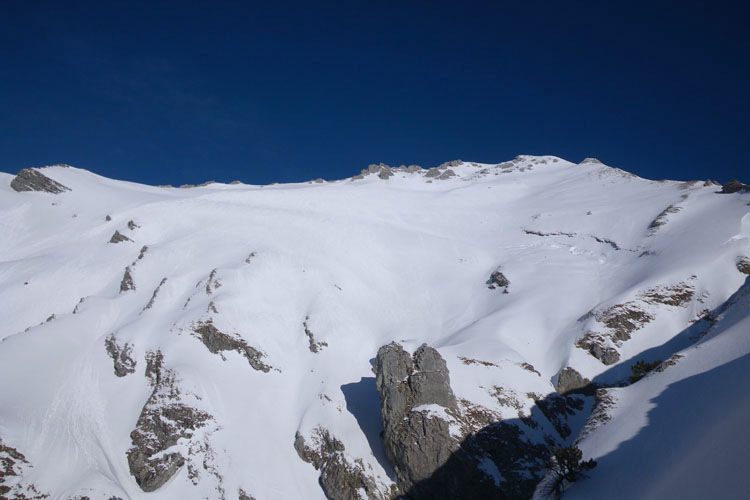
<point>269,305</point>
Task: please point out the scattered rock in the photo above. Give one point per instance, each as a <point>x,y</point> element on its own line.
<point>234,183</point>
<point>13,467</point>
<point>213,283</point>
<point>153,296</point>
<point>447,175</point>
<point>670,362</point>
<point>452,163</point>
<point>241,495</point>
<point>217,342</point>
<point>570,381</point>
<point>604,401</point>
<point>118,238</point>
<point>250,257</point>
<point>661,219</point>
<point>127,282</point>
<point>557,409</point>
<point>470,361</point>
<point>313,345</point>
<point>498,280</point>
<point>591,160</point>
<point>621,320</point>
<point>144,249</point>
<point>132,225</point>
<point>121,356</point>
<point>108,218</point>
<point>30,179</point>
<point>340,478</point>
<point>530,367</point>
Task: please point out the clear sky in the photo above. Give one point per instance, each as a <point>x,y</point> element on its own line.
<point>184,92</point>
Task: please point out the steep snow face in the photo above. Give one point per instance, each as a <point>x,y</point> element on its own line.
<point>185,354</point>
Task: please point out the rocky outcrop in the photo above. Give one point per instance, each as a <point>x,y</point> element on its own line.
<point>30,179</point>
<point>498,280</point>
<point>121,356</point>
<point>569,380</point>
<point>615,324</point>
<point>164,420</point>
<point>734,186</point>
<point>217,342</point>
<point>661,219</point>
<point>154,295</point>
<point>418,408</point>
<point>444,449</point>
<point>313,345</point>
<point>127,282</point>
<point>213,283</point>
<point>118,237</point>
<point>340,478</point>
<point>743,264</point>
<point>13,466</point>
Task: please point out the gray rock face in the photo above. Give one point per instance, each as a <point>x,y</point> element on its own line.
<point>339,478</point>
<point>417,442</point>
<point>121,356</point>
<point>217,342</point>
<point>440,451</point>
<point>127,283</point>
<point>30,179</point>
<point>447,175</point>
<point>570,380</point>
<point>498,280</point>
<point>164,420</point>
<point>118,237</point>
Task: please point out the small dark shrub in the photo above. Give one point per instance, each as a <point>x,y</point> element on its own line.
<point>568,465</point>
<point>641,368</point>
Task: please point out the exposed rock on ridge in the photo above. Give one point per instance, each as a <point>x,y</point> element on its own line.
<point>217,342</point>
<point>121,356</point>
<point>340,479</point>
<point>30,179</point>
<point>164,420</point>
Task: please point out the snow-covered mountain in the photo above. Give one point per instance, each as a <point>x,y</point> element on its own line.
<point>229,341</point>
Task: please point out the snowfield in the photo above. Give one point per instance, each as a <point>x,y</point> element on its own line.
<point>254,313</point>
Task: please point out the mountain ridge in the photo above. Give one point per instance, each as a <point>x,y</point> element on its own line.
<point>348,266</point>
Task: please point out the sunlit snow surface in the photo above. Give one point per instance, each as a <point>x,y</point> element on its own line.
<point>363,263</point>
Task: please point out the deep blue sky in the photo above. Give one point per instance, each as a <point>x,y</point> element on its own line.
<point>162,92</point>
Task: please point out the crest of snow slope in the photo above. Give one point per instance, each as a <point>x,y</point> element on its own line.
<point>358,263</point>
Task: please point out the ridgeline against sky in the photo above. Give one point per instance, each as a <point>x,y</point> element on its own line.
<point>171,92</point>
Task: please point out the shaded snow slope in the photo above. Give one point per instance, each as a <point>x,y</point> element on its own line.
<point>681,432</point>
<point>346,267</point>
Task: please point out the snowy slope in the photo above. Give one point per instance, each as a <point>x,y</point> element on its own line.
<point>354,264</point>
